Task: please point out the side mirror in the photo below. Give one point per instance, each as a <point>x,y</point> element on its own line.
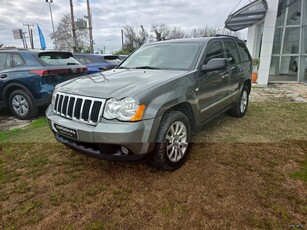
<point>215,64</point>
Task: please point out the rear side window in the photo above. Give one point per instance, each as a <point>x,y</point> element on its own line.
<point>18,60</point>
<point>57,58</point>
<point>243,52</point>
<point>232,52</point>
<point>215,50</point>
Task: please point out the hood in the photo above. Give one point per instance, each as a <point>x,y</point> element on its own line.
<point>118,83</point>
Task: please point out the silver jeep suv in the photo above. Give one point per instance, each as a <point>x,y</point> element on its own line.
<point>153,101</point>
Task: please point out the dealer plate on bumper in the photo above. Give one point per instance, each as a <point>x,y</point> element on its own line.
<point>65,131</point>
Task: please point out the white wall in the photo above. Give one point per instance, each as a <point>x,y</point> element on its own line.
<point>253,38</point>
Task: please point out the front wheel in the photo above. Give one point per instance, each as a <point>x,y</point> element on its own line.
<point>240,107</point>
<point>172,141</point>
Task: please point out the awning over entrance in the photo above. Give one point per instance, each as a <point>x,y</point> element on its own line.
<point>247,16</point>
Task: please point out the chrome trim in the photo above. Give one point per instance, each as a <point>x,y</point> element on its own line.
<point>220,101</point>
<point>81,113</point>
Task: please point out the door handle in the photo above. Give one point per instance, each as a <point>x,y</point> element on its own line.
<point>3,76</point>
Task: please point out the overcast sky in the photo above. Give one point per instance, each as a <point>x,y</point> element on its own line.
<point>109,17</point>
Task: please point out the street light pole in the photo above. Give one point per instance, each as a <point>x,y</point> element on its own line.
<point>30,34</point>
<point>49,2</point>
<point>74,45</point>
<point>89,15</point>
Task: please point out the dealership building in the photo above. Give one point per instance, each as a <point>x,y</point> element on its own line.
<point>277,35</point>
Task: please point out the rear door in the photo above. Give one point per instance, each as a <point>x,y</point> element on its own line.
<point>234,62</point>
<point>5,70</point>
<point>213,86</point>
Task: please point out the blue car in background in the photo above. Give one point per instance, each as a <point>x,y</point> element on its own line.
<point>28,78</point>
<point>94,62</point>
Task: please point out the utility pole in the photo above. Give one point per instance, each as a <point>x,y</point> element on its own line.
<point>122,39</point>
<point>74,41</point>
<point>51,1</point>
<point>30,34</point>
<point>89,15</point>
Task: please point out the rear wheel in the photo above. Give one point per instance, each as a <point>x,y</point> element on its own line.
<point>21,105</point>
<point>172,141</point>
<point>240,108</point>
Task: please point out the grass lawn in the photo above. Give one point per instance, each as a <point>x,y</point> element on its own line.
<point>242,174</point>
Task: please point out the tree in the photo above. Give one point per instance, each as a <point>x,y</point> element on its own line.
<point>205,31</point>
<point>133,38</point>
<point>63,36</point>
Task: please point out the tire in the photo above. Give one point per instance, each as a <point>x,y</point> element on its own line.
<point>21,105</point>
<point>241,106</point>
<point>174,133</point>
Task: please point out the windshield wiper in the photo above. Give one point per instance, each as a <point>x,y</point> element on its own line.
<point>145,67</point>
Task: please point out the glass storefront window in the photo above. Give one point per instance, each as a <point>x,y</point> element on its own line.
<point>291,41</point>
<point>305,13</point>
<point>284,68</point>
<point>294,12</point>
<point>304,63</point>
<point>277,40</point>
<point>281,13</point>
<point>305,38</point>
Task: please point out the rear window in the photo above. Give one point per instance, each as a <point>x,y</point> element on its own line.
<point>57,58</point>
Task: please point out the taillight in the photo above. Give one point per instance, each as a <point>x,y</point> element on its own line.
<point>39,72</point>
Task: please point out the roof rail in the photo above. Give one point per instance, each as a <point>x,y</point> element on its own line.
<point>224,35</point>
<point>12,48</point>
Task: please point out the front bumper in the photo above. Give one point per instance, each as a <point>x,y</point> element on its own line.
<point>106,139</point>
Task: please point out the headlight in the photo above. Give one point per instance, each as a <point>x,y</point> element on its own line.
<point>126,109</point>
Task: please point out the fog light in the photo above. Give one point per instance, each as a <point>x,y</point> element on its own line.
<point>125,150</point>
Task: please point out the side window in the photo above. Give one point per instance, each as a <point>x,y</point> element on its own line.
<point>5,61</point>
<point>3,57</point>
<point>232,52</point>
<point>87,60</point>
<point>80,59</point>
<point>215,50</point>
<point>17,60</point>
<point>243,52</point>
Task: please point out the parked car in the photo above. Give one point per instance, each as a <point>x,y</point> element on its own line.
<point>113,58</point>
<point>151,103</point>
<point>28,77</point>
<point>94,62</point>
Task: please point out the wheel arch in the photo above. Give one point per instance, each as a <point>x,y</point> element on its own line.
<point>11,88</point>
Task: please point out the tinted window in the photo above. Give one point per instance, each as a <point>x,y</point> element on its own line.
<point>2,60</point>
<point>243,52</point>
<point>87,60</point>
<point>17,60</point>
<point>5,60</point>
<point>232,52</point>
<point>57,58</point>
<point>215,50</point>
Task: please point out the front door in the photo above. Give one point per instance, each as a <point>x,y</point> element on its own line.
<point>213,86</point>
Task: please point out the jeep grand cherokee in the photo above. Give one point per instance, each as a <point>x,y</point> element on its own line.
<point>153,101</point>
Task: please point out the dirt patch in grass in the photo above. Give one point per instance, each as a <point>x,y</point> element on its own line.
<point>242,174</point>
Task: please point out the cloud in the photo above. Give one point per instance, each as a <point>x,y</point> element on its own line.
<point>110,16</point>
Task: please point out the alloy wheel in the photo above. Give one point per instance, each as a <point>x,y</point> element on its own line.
<point>20,105</point>
<point>176,141</point>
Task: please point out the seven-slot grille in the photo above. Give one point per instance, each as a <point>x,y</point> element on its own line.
<point>85,109</point>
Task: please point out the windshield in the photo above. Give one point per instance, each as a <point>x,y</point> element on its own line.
<point>173,56</point>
